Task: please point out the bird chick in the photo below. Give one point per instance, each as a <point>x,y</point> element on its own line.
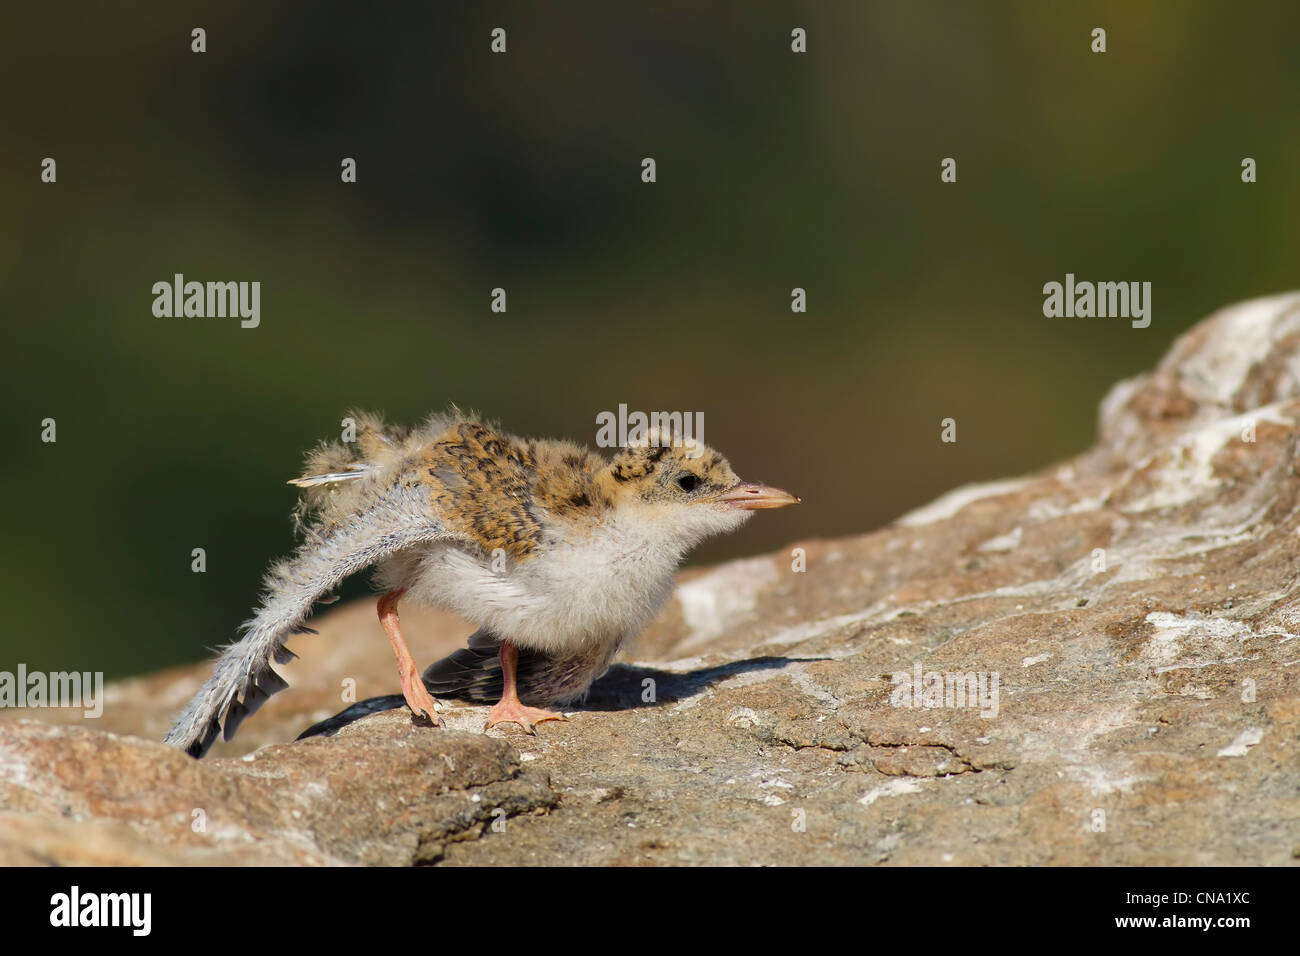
<point>557,556</point>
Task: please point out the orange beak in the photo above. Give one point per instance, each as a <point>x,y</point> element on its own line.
<point>748,496</point>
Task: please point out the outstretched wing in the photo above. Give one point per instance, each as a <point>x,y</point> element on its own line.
<point>393,522</point>
<point>474,672</point>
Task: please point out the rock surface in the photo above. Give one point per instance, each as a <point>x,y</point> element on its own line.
<point>1136,609</point>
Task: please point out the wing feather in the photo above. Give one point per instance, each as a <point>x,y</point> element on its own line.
<point>394,522</point>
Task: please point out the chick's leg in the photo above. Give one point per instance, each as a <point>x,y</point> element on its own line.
<point>510,708</point>
<point>413,689</point>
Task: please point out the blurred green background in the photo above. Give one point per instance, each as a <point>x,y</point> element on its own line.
<point>522,171</point>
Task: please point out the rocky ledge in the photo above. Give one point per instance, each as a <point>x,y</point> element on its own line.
<point>1094,664</point>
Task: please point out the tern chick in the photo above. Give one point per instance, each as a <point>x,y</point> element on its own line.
<point>557,555</point>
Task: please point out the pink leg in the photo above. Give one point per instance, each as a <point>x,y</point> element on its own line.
<point>413,689</point>
<point>510,708</point>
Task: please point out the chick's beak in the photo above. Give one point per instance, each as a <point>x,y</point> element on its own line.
<point>748,496</point>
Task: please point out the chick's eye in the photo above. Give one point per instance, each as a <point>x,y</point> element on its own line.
<point>688,482</point>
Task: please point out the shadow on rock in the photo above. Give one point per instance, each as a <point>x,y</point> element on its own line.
<point>623,687</point>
